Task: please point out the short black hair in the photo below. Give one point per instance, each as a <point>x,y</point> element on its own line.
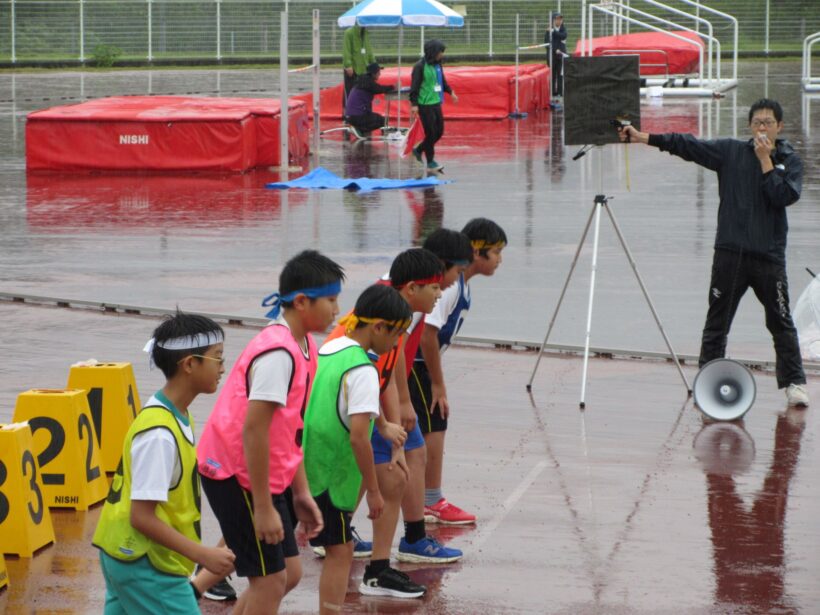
<point>308,269</point>
<point>180,325</point>
<point>414,264</point>
<point>450,246</point>
<point>382,301</point>
<point>767,103</point>
<point>483,229</point>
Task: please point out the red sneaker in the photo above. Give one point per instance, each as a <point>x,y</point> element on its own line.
<point>446,513</point>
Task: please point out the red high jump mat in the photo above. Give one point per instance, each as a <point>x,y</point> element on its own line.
<point>484,92</point>
<point>163,133</point>
<point>657,50</point>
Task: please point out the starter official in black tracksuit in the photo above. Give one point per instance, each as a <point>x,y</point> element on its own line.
<point>758,179</point>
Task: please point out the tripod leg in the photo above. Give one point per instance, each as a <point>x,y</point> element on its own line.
<point>591,294</point>
<point>561,298</point>
<point>646,296</point>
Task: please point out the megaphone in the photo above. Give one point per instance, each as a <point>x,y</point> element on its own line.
<point>724,390</point>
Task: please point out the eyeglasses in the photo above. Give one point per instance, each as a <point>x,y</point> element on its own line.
<point>767,123</point>
<point>220,360</point>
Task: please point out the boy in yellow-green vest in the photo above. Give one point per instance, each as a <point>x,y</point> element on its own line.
<point>427,88</point>
<point>149,532</point>
<point>338,423</point>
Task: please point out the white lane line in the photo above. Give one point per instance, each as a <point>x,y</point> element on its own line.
<point>488,529</point>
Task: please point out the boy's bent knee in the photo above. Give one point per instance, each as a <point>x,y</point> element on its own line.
<point>391,482</point>
<point>417,458</point>
<point>293,569</point>
<point>271,585</point>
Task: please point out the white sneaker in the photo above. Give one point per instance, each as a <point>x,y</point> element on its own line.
<point>797,395</point>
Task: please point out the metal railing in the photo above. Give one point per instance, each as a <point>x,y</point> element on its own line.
<point>101,31</point>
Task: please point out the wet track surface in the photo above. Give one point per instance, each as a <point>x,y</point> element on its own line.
<point>632,506</point>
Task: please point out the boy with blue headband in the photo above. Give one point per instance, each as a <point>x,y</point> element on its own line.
<point>149,533</point>
<point>250,454</point>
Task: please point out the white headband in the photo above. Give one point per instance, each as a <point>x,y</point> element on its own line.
<point>187,342</point>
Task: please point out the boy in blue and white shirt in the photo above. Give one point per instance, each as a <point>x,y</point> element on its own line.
<point>427,388</point>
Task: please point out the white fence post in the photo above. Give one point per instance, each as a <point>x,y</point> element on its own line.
<point>283,95</point>
<point>218,30</point>
<point>13,41</point>
<point>766,44</point>
<point>490,53</point>
<point>82,31</point>
<point>150,31</point>
<point>316,86</point>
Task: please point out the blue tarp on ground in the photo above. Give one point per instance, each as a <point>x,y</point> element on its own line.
<point>322,179</point>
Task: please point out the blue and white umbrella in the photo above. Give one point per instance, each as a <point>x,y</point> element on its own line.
<point>392,13</point>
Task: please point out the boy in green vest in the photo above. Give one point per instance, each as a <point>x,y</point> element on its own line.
<point>149,533</point>
<point>338,424</point>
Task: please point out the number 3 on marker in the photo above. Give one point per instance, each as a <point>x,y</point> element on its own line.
<point>28,461</point>
<point>4,501</point>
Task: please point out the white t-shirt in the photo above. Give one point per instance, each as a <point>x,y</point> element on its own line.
<point>270,374</point>
<point>360,385</point>
<point>155,463</point>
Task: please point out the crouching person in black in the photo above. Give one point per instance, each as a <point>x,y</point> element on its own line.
<point>359,109</point>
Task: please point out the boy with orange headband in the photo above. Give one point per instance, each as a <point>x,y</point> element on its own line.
<point>338,425</point>
<point>250,454</point>
<point>427,387</point>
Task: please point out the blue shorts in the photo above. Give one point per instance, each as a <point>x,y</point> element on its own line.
<point>383,450</point>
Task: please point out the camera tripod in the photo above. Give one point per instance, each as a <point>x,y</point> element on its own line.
<point>600,202</point>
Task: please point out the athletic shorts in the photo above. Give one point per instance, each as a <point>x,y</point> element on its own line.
<point>383,450</point>
<point>337,523</point>
<point>138,587</point>
<point>421,393</point>
<point>233,508</point>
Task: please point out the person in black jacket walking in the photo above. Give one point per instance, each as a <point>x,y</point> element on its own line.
<point>758,179</point>
<point>427,89</point>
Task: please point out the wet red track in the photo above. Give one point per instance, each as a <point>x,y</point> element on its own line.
<point>631,506</point>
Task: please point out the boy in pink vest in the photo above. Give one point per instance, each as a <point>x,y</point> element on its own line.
<point>250,452</point>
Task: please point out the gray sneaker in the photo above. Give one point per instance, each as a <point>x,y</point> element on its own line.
<point>797,395</point>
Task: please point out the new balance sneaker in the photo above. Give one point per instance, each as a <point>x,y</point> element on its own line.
<point>361,548</point>
<point>427,551</point>
<point>221,592</point>
<point>444,512</point>
<point>797,395</point>
<point>391,582</point>
<point>433,166</point>
<point>417,153</point>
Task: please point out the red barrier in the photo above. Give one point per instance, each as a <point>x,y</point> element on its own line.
<point>657,50</point>
<point>163,133</point>
<point>484,92</point>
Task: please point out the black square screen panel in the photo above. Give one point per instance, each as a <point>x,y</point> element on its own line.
<point>599,91</point>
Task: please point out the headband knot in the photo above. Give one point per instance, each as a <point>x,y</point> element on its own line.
<point>275,300</point>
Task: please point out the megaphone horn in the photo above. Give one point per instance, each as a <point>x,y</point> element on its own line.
<point>724,390</point>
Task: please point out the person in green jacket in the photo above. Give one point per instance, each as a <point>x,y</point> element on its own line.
<point>357,54</point>
<point>344,402</point>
